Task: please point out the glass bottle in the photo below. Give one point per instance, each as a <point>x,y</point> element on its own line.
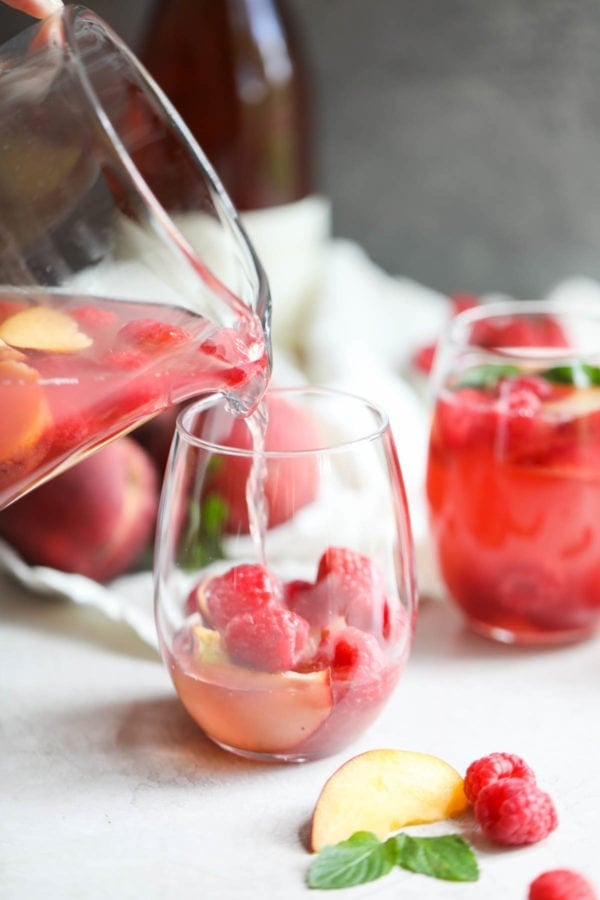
<point>236,72</point>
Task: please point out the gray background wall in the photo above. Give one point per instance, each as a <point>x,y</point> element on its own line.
<point>459,140</point>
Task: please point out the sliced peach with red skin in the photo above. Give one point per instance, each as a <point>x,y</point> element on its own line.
<point>259,712</point>
<point>384,790</point>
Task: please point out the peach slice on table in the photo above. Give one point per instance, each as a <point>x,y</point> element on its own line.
<point>45,329</point>
<point>385,790</point>
<point>25,410</point>
<point>260,712</point>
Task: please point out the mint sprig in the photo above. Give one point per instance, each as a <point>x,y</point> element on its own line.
<point>486,376</point>
<point>363,857</point>
<point>448,856</point>
<point>578,374</point>
<point>203,541</point>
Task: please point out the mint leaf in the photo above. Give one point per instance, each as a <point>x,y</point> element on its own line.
<point>202,544</point>
<point>579,374</point>
<point>448,857</point>
<point>486,376</point>
<point>363,857</point>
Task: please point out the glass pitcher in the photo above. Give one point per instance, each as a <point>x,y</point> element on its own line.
<point>127,283</point>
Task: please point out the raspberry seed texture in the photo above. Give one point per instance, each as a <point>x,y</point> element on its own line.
<point>514,811</point>
<point>492,768</point>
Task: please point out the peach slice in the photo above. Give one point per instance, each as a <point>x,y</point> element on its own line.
<point>384,790</point>
<point>24,407</point>
<point>42,328</point>
<point>576,403</point>
<point>260,712</point>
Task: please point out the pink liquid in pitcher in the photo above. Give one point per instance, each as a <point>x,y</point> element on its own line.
<point>75,373</point>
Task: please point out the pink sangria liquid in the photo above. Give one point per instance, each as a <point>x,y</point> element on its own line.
<point>289,670</point>
<point>513,487</point>
<point>75,373</point>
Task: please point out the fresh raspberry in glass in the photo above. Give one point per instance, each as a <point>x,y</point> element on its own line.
<point>355,584</point>
<point>492,768</point>
<point>244,588</point>
<point>519,331</point>
<point>271,638</point>
<point>514,812</point>
<point>466,415</point>
<point>561,884</point>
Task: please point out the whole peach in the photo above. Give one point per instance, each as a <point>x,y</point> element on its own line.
<point>94,519</point>
<point>292,481</point>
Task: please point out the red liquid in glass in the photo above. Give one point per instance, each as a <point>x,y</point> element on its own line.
<point>513,486</point>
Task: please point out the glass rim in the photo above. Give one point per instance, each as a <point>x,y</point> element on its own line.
<point>456,333</point>
<point>510,306</point>
<point>70,15</point>
<point>381,423</point>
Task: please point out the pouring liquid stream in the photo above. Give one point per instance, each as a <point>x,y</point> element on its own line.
<point>256,500</point>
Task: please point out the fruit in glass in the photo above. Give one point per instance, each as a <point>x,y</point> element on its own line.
<point>513,481</point>
<point>285,637</point>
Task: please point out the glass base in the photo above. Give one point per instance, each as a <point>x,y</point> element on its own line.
<point>530,637</point>
<point>289,757</point>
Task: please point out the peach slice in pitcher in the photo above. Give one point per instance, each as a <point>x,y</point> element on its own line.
<point>45,329</point>
<point>22,395</point>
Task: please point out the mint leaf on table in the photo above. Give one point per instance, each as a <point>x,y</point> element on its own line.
<point>448,856</point>
<point>363,857</point>
<point>578,374</point>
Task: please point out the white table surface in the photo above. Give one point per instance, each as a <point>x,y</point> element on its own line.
<point>109,790</point>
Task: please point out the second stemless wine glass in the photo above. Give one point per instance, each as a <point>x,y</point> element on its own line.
<point>513,479</point>
<point>285,592</point>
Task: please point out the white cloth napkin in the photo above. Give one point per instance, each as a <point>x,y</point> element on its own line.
<point>358,334</point>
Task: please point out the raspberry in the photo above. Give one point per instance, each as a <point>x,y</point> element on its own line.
<point>561,884</point>
<point>519,331</point>
<point>464,416</point>
<point>270,638</point>
<point>354,585</point>
<point>515,811</point>
<point>357,665</point>
<point>422,359</point>
<point>243,589</point>
<point>95,316</point>
<point>226,345</point>
<point>151,336</point>
<point>492,768</point>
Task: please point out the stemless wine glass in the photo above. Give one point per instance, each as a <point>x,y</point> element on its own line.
<point>284,575</point>
<point>513,479</point>
<point>126,280</point>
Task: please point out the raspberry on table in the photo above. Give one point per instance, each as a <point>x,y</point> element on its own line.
<point>491,768</point>
<point>561,884</point>
<point>514,811</point>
